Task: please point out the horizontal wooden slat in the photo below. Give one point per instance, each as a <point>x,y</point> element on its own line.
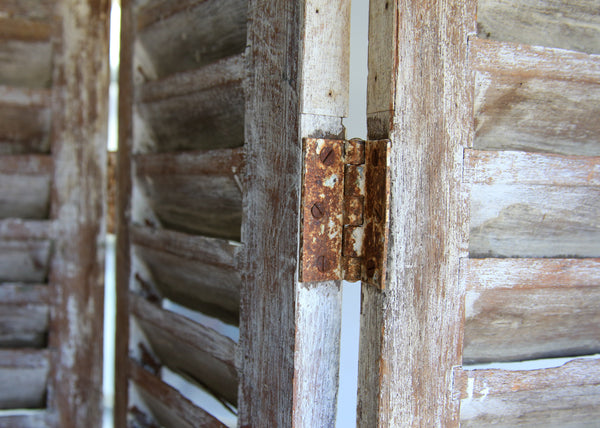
<point>508,167</point>
<point>195,192</point>
<point>567,24</point>
<point>22,230</point>
<point>26,419</point>
<point>24,120</point>
<point>31,9</point>
<point>26,63</point>
<point>196,110</point>
<point>520,220</point>
<point>169,406</point>
<point>23,376</point>
<point>24,261</point>
<point>167,41</point>
<point>536,99</point>
<point>24,315</point>
<point>25,186</point>
<point>197,272</point>
<point>190,349</point>
<point>518,309</point>
<point>24,29</point>
<point>566,396</point>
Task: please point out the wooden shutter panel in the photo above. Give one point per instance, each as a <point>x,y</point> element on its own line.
<point>500,138</point>
<point>53,115</point>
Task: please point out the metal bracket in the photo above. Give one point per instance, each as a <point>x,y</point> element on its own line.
<point>345,199</point>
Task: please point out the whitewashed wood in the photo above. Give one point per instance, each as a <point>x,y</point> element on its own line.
<point>184,35</point>
<point>194,271</point>
<point>507,167</point>
<point>568,24</point>
<point>411,332</point>
<point>24,314</point>
<point>276,383</point>
<point>32,9</point>
<point>169,406</point>
<point>24,120</point>
<point>28,419</point>
<point>193,350</point>
<point>24,261</point>
<point>536,99</point>
<point>196,192</point>
<point>22,230</point>
<point>522,220</point>
<point>565,396</point>
<point>23,377</point>
<point>519,309</point>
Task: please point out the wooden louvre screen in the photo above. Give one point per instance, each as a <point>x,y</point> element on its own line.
<point>53,113</point>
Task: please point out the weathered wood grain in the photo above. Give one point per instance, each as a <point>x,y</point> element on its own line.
<point>195,351</point>
<point>24,314</point>
<point>186,34</point>
<point>23,230</point>
<point>197,272</point>
<point>519,309</point>
<point>25,186</point>
<point>169,407</point>
<point>33,9</point>
<point>24,120</point>
<point>27,54</point>
<point>283,324</point>
<point>411,333</point>
<point>24,261</point>
<point>195,192</point>
<point>566,396</point>
<point>563,24</point>
<point>23,377</point>
<point>27,419</point>
<point>535,99</point>
<point>79,121</point>
<point>521,220</point>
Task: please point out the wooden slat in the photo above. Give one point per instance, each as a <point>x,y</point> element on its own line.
<point>520,309</point>
<point>24,29</point>
<point>25,186</point>
<point>186,34</point>
<point>536,99</point>
<point>26,419</point>
<point>24,315</point>
<point>24,120</point>
<point>27,64</point>
<point>502,167</point>
<point>22,230</point>
<point>563,24</point>
<point>566,396</point>
<point>197,272</point>
<point>190,349</point>
<point>24,261</point>
<point>169,407</point>
<point>23,376</point>
<point>195,192</point>
<point>196,110</point>
<point>32,9</point>
<point>521,220</point>
<point>420,96</point>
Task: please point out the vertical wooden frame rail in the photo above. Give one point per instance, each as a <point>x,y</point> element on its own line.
<point>420,97</point>
<point>289,331</point>
<point>54,120</point>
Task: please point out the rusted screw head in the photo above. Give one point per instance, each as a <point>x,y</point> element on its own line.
<point>326,155</point>
<point>322,264</point>
<point>317,211</point>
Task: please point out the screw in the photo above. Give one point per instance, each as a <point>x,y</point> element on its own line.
<point>326,155</point>
<point>317,211</point>
<point>321,264</point>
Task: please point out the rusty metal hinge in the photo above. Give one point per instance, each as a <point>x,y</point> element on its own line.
<point>345,199</point>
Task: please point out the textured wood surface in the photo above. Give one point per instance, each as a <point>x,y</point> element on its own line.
<point>565,396</point>
<point>195,351</point>
<point>519,309</point>
<point>31,419</point>
<point>24,120</point>
<point>79,122</point>
<point>169,407</point>
<point>197,272</point>
<point>563,24</point>
<point>184,35</point>
<point>23,377</point>
<point>24,261</point>
<point>411,333</point>
<point>195,192</point>
<point>24,315</point>
<point>536,99</point>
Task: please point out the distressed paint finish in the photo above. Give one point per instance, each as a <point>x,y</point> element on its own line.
<point>80,106</point>
<point>565,396</point>
<point>411,333</point>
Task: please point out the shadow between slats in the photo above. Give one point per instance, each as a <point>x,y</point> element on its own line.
<point>196,352</point>
<point>23,378</point>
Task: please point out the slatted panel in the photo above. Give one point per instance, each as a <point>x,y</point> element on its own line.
<point>567,24</point>
<point>28,419</point>
<point>24,313</point>
<point>23,377</point>
<point>565,396</point>
<point>535,99</point>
